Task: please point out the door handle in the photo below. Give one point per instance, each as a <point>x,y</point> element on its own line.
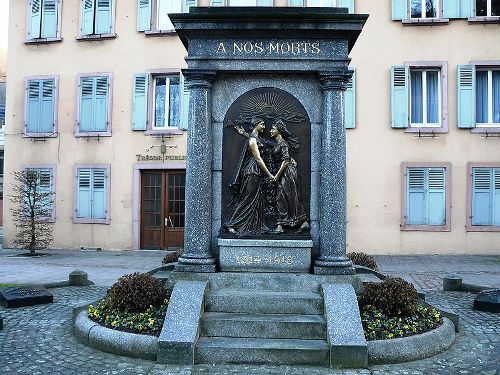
<point>168,220</point>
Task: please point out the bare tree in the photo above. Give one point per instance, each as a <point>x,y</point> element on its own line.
<point>32,211</point>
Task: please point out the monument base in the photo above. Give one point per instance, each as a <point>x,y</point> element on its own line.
<point>249,255</point>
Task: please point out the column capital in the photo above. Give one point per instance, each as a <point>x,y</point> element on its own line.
<point>198,77</point>
<point>334,79</point>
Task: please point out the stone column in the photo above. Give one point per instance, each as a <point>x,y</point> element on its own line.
<point>332,257</point>
<point>197,256</point>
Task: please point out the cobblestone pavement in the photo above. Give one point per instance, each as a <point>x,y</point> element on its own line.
<point>39,340</point>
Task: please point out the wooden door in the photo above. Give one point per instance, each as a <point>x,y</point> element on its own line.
<point>162,209</point>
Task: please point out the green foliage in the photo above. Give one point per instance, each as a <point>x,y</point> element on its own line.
<point>363,259</point>
<point>380,326</point>
<point>136,292</point>
<point>394,296</point>
<point>149,321</point>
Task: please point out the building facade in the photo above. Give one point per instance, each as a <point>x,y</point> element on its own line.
<point>96,104</point>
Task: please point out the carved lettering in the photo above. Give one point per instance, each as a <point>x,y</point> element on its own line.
<point>221,48</point>
<point>270,47</point>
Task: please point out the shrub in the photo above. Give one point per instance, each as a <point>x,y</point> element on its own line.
<point>136,292</point>
<point>172,257</point>
<point>363,259</point>
<point>394,296</point>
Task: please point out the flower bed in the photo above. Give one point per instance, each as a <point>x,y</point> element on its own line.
<point>148,322</point>
<point>380,326</point>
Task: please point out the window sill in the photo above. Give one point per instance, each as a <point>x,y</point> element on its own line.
<point>484,20</point>
<point>424,228</point>
<point>40,135</point>
<point>83,220</point>
<point>43,40</point>
<point>90,37</point>
<point>164,132</point>
<point>93,134</point>
<point>158,33</point>
<point>482,228</point>
<point>426,130</point>
<point>486,129</point>
<point>425,21</point>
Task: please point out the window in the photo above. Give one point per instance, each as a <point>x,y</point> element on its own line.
<point>92,195</point>
<point>94,105</point>
<point>152,15</point>
<point>418,97</point>
<point>323,3</point>
<point>484,192</point>
<point>487,8</point>
<point>421,12</point>
<point>43,177</point>
<point>424,9</point>
<point>160,102</point>
<point>426,197</point>
<point>97,18</point>
<point>478,96</point>
<point>43,20</point>
<point>40,113</point>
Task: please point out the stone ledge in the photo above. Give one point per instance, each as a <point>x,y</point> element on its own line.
<point>113,341</point>
<point>411,348</point>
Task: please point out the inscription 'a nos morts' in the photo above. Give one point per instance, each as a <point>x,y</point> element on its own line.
<point>269,47</point>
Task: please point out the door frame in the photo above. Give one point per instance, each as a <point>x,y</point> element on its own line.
<point>136,195</point>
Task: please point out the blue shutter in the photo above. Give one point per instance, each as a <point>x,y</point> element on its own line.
<point>83,203</point>
<point>399,96</point>
<point>140,102</point>
<point>164,7</point>
<point>481,196</point>
<point>47,106</point>
<point>216,3</point>
<point>143,15</point>
<point>44,179</point>
<point>87,89</point>
<point>103,17</point>
<point>496,197</point>
<point>49,19</point>
<point>466,8</point>
<point>347,4</point>
<point>415,196</point>
<point>265,3</point>
<point>188,4</point>
<point>98,193</point>
<point>101,100</point>
<point>35,18</point>
<point>184,105</point>
<point>33,88</point>
<point>87,17</point>
<point>350,103</point>
<point>399,10</point>
<point>436,196</point>
<point>295,3</point>
<point>466,96</point>
<point>451,8</point>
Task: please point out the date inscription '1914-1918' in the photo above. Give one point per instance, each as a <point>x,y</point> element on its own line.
<point>269,260</point>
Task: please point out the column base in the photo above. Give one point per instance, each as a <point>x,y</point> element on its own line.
<point>203,265</point>
<point>334,266</point>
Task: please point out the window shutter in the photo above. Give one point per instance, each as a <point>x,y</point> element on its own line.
<point>83,203</point>
<point>350,103</point>
<point>216,3</point>
<point>143,15</point>
<point>87,89</point>
<point>101,100</point>
<point>34,105</point>
<point>399,10</point>
<point>46,124</point>
<point>295,3</point>
<point>466,96</point>
<point>140,102</point>
<point>496,196</point>
<point>98,194</point>
<point>265,3</point>
<point>415,196</point>
<point>164,7</point>
<point>436,196</point>
<point>451,8</point>
<point>35,18</point>
<point>188,4</point>
<point>87,17</point>
<point>347,4</point>
<point>45,186</point>
<point>481,196</point>
<point>103,17</point>
<point>399,96</point>
<point>466,8</point>
<point>184,105</point>
<point>49,19</point>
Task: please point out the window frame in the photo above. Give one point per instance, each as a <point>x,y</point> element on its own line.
<point>442,68</point>
<point>108,132</point>
<point>488,124</point>
<point>55,133</point>
<point>422,12</point>
<point>483,19</point>
<point>424,21</point>
<point>404,189</point>
<point>85,220</point>
<point>150,128</point>
<point>55,39</point>
<point>110,35</point>
<point>484,65</point>
<point>52,168</point>
<point>469,227</point>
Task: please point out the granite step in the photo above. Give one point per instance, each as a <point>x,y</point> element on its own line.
<point>264,302</point>
<point>262,351</point>
<point>277,326</point>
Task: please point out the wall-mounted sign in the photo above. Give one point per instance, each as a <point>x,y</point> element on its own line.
<point>160,158</point>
